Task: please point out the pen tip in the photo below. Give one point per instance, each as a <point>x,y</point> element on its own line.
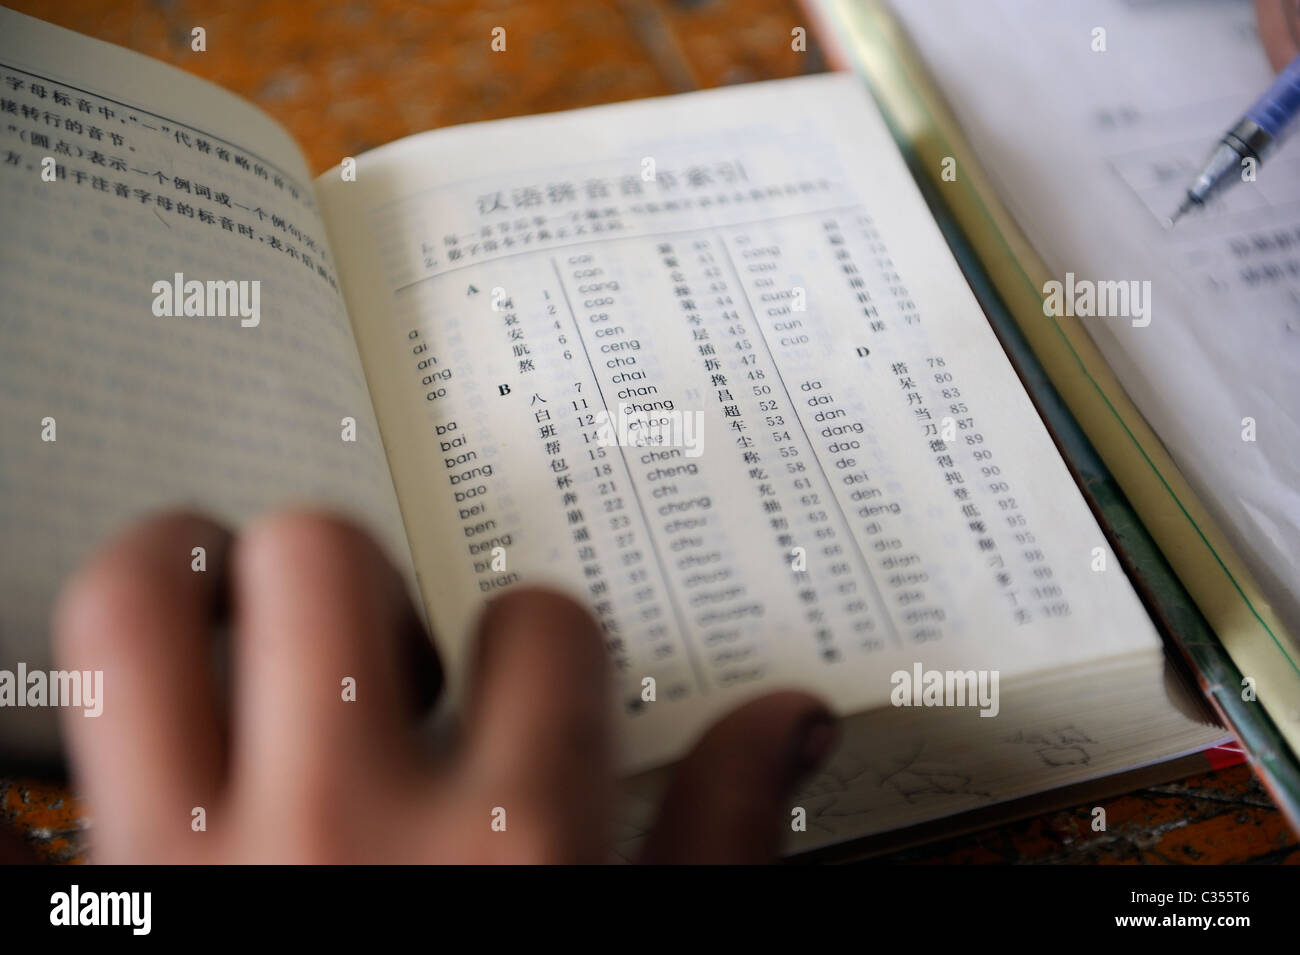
<point>1182,210</point>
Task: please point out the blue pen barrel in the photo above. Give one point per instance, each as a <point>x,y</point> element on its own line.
<point>1277,108</point>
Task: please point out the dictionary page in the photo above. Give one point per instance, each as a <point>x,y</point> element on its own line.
<point>1116,106</point>
<point>111,408</point>
<point>707,364</point>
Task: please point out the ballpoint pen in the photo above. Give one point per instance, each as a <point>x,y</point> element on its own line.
<point>1255,135</point>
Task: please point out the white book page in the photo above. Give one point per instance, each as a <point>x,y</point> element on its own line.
<point>856,480</point>
<point>1092,150</point>
<point>158,173</point>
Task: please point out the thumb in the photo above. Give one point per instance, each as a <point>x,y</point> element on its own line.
<point>727,800</point>
<point>1279,29</point>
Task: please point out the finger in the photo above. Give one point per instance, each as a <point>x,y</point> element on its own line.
<point>538,713</point>
<point>1279,29</point>
<point>326,641</point>
<point>141,614</point>
<point>728,799</point>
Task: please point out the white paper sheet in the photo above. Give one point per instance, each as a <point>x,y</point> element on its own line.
<point>1091,149</point>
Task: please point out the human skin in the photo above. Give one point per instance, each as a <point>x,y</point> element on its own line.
<point>285,770</point>
<point>1279,29</point>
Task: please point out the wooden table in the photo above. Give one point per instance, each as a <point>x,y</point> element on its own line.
<point>346,77</point>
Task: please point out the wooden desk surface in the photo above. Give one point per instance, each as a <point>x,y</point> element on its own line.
<point>345,77</point>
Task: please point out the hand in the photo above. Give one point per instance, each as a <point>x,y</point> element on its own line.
<point>1279,29</point>
<point>287,771</point>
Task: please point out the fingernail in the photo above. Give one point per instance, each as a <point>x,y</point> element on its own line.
<point>814,742</point>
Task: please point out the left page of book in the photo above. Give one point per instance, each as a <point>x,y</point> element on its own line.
<point>123,180</point>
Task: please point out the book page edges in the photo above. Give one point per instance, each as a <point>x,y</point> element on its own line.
<point>1195,547</point>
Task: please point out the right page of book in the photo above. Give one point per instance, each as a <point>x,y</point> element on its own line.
<point>707,363</point>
